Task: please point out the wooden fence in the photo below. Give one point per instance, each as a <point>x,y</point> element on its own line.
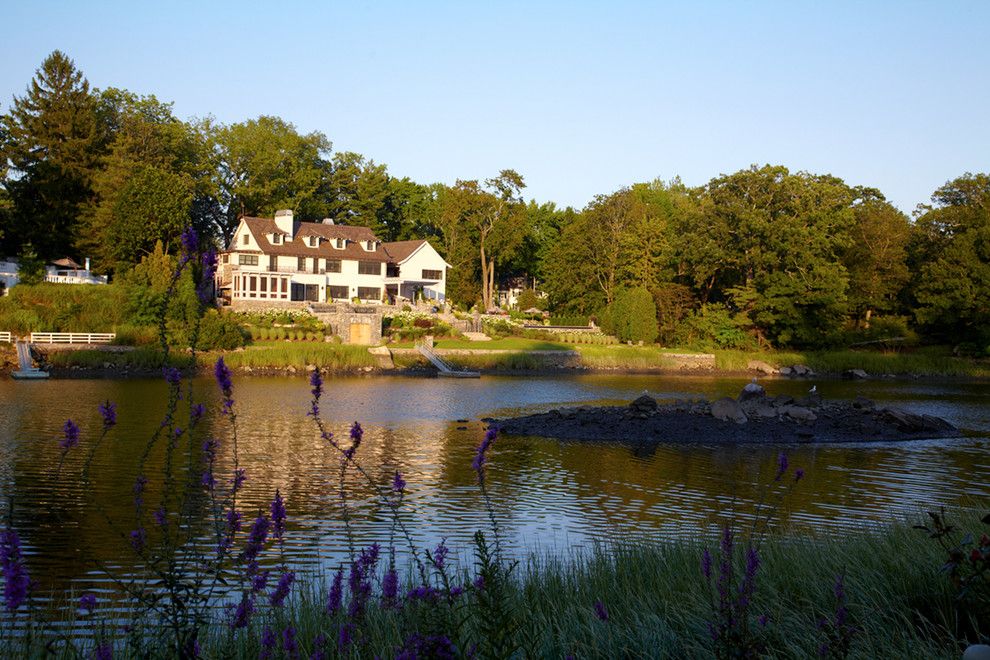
<point>5,336</point>
<point>72,337</point>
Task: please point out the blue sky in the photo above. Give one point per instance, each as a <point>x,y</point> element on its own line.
<point>581,98</point>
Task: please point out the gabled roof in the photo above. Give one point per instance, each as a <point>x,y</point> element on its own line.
<point>402,250</point>
<point>66,262</point>
<point>262,227</point>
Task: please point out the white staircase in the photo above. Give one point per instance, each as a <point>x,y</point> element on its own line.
<point>27,370</point>
<point>444,369</point>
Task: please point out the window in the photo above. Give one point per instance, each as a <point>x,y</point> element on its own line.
<point>432,274</point>
<point>369,293</point>
<point>273,262</point>
<point>369,268</point>
<point>339,243</point>
<point>276,239</point>
<point>301,264</point>
<point>369,246</point>
<point>246,239</point>
<point>247,259</point>
<point>225,259</point>
<point>314,241</point>
<point>337,293</point>
<point>333,265</point>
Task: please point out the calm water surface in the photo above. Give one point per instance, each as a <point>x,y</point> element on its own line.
<point>549,495</point>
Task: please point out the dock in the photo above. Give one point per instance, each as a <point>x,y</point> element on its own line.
<point>27,370</point>
<point>444,369</point>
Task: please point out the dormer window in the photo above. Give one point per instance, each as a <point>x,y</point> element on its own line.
<point>369,246</point>
<point>314,241</point>
<point>276,239</point>
<point>339,243</point>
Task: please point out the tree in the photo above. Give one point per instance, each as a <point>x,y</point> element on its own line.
<point>633,315</point>
<point>265,165</point>
<point>30,267</point>
<point>52,141</point>
<point>876,256</point>
<point>492,216</point>
<point>952,260</point>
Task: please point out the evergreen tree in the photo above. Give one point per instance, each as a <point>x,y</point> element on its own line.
<point>52,140</point>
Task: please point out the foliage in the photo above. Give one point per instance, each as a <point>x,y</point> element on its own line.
<point>527,299</point>
<point>30,267</point>
<point>633,316</point>
<point>714,326</point>
<point>49,307</point>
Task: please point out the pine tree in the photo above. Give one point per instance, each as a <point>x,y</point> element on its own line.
<point>52,141</point>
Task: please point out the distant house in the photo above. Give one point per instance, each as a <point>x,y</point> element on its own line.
<point>60,271</point>
<point>282,259</point>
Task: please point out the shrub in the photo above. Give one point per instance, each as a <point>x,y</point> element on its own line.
<point>220,332</point>
<point>634,315</point>
<point>714,326</point>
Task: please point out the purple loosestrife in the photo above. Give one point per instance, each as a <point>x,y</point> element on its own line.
<point>204,288</point>
<point>437,647</point>
<point>798,475</point>
<point>357,433</point>
<point>278,516</point>
<point>289,644</point>
<point>16,582</point>
<point>172,376</point>
<point>335,596</point>
<point>108,410</point>
<point>160,517</point>
<point>222,375</point>
<point>281,592</point>
<point>345,635</point>
<point>390,587</point>
<point>256,542</point>
<point>398,483</point>
<point>268,641</point>
<point>319,642</point>
<point>781,466</point>
<point>481,455</point>
<point>440,555</point>
<point>241,615</point>
<point>196,414</point>
<point>600,611</point>
<point>359,580</point>
<point>70,436</point>
<point>259,581</point>
<point>87,603</point>
<point>240,476</point>
<point>316,381</point>
<point>189,240</point>
<point>103,651</point>
<point>137,539</point>
<point>706,564</point>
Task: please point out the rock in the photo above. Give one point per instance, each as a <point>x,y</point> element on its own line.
<point>567,413</point>
<point>782,400</point>
<point>855,374</point>
<point>801,371</point>
<point>763,410</point>
<point>785,371</point>
<point>310,367</point>
<point>644,404</point>
<point>862,403</point>
<point>799,414</point>
<point>977,652</point>
<point>106,365</point>
<point>291,369</point>
<point>761,367</point>
<point>906,422</point>
<point>727,409</point>
<point>751,391</point>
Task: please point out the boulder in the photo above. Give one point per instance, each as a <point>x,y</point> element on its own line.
<point>727,410</point>
<point>751,391</point>
<point>801,371</point>
<point>855,374</point>
<point>862,403</point>
<point>761,367</point>
<point>800,414</point>
<point>644,403</point>
<point>785,371</point>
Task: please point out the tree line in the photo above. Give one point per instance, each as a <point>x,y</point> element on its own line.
<point>761,256</point>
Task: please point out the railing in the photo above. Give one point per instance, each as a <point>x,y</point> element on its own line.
<point>72,337</point>
<point>6,336</point>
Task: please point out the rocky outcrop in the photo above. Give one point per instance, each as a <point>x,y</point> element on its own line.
<point>756,418</point>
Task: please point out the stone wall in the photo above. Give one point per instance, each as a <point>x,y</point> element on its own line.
<point>354,324</point>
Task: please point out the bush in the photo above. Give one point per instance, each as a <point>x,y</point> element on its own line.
<point>634,316</point>
<point>528,299</point>
<point>714,326</point>
<point>220,332</point>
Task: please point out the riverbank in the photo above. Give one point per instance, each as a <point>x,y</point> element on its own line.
<point>520,356</point>
<point>637,600</point>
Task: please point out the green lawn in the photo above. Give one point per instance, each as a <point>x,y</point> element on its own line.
<point>505,344</point>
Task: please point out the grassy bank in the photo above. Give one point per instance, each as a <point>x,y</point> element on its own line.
<point>333,357</point>
<point>655,601</point>
<point>928,361</point>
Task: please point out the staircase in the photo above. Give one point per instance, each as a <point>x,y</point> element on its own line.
<point>444,369</point>
<point>27,370</point>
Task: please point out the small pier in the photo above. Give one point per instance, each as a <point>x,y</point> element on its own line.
<point>444,369</point>
<point>27,370</point>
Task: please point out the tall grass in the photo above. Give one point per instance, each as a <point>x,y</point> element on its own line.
<point>144,358</point>
<point>49,307</point>
<point>933,361</point>
<point>324,355</point>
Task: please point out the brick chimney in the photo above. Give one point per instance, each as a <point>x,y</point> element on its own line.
<point>283,220</point>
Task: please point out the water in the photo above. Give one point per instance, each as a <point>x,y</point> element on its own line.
<point>548,495</point>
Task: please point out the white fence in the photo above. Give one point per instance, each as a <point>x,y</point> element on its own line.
<point>5,336</point>
<point>72,337</point>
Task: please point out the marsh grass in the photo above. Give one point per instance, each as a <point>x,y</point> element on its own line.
<point>141,358</point>
<point>929,361</point>
<point>325,355</point>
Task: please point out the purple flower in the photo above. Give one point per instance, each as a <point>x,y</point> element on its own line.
<point>316,381</point>
<point>706,564</point>
<point>357,433</point>
<point>267,643</point>
<point>222,375</point>
<point>479,583</point>
<point>481,455</point>
<point>781,466</point>
<point>256,538</point>
<point>278,515</point>
<point>422,592</point>
<point>289,642</point>
<point>204,286</point>
<point>103,651</point>
<point>196,414</point>
<point>160,518</point>
<point>440,555</point>
<point>233,521</point>
<point>172,375</point>
<point>764,620</point>
<point>242,613</point>
<point>398,483</point>
<point>336,593</point>
<point>137,539</point>
<point>282,589</point>
<point>70,435</point>
<point>16,582</point>
<point>239,478</point>
<point>319,642</point>
<point>798,475</point>
<point>438,647</point>
<point>87,603</point>
<point>259,581</point>
<point>108,410</point>
<point>345,635</point>
<point>189,241</point>
<point>390,586</point>
<point>600,611</point>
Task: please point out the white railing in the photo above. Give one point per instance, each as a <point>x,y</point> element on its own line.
<point>72,337</point>
<point>5,336</point>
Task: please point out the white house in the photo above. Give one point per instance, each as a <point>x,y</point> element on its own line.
<point>282,259</point>
<point>60,271</point>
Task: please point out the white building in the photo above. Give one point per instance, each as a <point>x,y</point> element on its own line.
<point>60,271</point>
<point>282,259</point>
